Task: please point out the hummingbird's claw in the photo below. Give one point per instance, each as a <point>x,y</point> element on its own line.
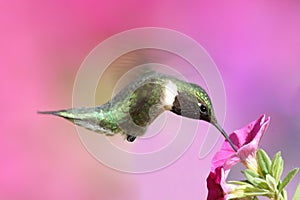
<point>130,138</point>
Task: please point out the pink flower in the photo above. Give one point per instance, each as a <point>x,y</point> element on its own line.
<point>216,184</point>
<point>246,140</point>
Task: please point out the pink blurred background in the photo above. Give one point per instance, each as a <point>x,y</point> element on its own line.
<point>256,46</point>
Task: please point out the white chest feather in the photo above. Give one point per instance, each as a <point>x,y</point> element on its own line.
<point>170,92</point>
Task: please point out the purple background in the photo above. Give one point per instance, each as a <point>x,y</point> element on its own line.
<point>256,46</point>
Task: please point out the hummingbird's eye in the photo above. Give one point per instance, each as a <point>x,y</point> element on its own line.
<point>203,108</point>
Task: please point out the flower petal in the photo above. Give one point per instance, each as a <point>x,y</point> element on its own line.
<point>253,135</point>
<point>246,140</point>
<point>215,181</point>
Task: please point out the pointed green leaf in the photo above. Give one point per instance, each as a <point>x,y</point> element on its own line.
<point>279,170</point>
<point>263,193</point>
<point>257,192</point>
<point>284,194</point>
<point>260,183</point>
<point>238,182</point>
<point>277,167</point>
<point>297,193</point>
<point>271,182</point>
<point>250,175</point>
<point>264,162</point>
<point>250,191</point>
<point>274,162</point>
<point>288,178</point>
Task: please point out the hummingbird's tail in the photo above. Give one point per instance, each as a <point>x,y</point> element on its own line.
<point>75,115</point>
<point>60,113</point>
<point>48,112</point>
<point>92,118</point>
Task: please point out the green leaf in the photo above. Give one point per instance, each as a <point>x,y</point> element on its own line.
<point>249,191</point>
<point>238,182</point>
<point>262,193</point>
<point>257,192</point>
<point>284,194</point>
<point>297,193</point>
<point>277,167</point>
<point>260,183</point>
<point>264,162</point>
<point>288,178</point>
<point>271,182</point>
<point>274,162</point>
<point>250,175</point>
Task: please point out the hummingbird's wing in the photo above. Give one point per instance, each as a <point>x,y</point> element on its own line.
<point>138,105</point>
<point>123,70</point>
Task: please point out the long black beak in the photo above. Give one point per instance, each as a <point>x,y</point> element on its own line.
<point>225,135</point>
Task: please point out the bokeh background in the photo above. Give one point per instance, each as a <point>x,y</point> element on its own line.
<point>255,45</point>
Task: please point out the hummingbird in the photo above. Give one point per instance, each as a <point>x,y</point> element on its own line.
<point>137,105</point>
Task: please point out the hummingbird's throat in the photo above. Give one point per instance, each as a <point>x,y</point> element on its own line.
<point>169,94</point>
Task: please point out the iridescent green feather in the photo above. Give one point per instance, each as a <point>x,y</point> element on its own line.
<point>134,108</point>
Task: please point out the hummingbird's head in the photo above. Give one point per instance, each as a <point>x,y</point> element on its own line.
<point>193,102</point>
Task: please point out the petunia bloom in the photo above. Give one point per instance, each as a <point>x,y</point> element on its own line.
<point>246,141</point>
<point>216,184</point>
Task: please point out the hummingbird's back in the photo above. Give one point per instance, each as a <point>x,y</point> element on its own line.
<point>137,105</point>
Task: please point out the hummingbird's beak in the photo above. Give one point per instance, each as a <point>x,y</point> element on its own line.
<point>225,135</point>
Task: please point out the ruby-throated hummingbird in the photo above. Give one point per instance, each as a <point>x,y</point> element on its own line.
<point>133,109</point>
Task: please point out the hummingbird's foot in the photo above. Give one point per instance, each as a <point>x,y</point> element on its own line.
<point>130,138</point>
